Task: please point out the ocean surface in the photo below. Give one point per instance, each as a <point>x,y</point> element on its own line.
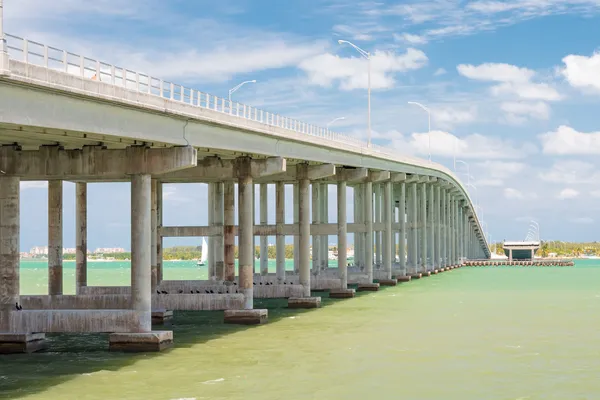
<point>473,333</point>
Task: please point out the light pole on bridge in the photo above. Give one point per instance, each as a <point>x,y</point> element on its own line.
<point>428,121</point>
<point>3,55</point>
<point>366,55</point>
<point>232,90</point>
<point>334,120</point>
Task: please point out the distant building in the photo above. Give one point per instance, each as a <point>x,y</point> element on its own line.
<point>70,251</point>
<point>104,250</point>
<point>39,251</point>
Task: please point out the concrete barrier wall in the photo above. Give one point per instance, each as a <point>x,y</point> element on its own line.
<point>77,321</point>
<point>198,302</point>
<point>100,302</point>
<point>104,290</point>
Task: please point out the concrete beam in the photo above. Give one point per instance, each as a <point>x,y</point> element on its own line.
<point>216,169</point>
<point>322,171</point>
<point>423,179</point>
<point>93,162</point>
<point>412,178</point>
<point>397,177</point>
<point>378,176</point>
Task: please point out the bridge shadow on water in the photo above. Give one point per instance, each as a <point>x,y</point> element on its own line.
<point>72,355</point>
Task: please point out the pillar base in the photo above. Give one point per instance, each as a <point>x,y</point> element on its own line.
<point>416,276</point>
<point>140,342</point>
<point>425,274</point>
<point>341,293</point>
<point>16,343</point>
<point>160,317</point>
<point>367,287</point>
<point>246,317</point>
<point>403,278</point>
<point>304,302</point>
<point>387,282</point>
<point>436,271</point>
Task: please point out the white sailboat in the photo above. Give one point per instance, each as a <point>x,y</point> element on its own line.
<point>204,255</point>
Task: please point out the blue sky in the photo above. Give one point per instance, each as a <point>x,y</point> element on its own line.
<point>513,86</point>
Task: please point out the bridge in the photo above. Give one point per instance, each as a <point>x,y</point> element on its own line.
<point>67,117</point>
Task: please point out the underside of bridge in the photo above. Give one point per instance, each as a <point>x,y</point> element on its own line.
<point>409,220</point>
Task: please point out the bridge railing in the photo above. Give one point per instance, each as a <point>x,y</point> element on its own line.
<point>35,53</point>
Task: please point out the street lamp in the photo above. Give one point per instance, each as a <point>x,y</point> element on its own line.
<point>234,89</point>
<point>366,55</point>
<point>334,120</point>
<point>429,122</point>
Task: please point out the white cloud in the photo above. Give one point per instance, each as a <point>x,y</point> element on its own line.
<point>571,172</point>
<point>519,111</point>
<point>495,172</point>
<point>582,72</point>
<point>595,193</point>
<point>440,72</point>
<point>473,146</point>
<point>568,193</point>
<point>352,73</point>
<point>511,81</point>
<point>34,185</point>
<point>414,40</point>
<point>448,117</point>
<point>513,194</point>
<point>582,220</point>
<point>566,140</point>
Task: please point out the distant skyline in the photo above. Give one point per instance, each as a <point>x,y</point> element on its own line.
<point>513,88</point>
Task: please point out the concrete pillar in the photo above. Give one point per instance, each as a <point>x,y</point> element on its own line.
<point>456,233</point>
<point>387,233</point>
<point>153,235</point>
<point>377,219</point>
<point>532,254</point>
<point>438,228</point>
<point>359,238</point>
<point>246,233</point>
<point>324,211</point>
<point>280,239</point>
<point>297,237</point>
<point>368,215</point>
<point>316,239</point>
<point>423,226</point>
<point>444,221</point>
<point>55,236</point>
<point>465,232</point>
<point>342,238</point>
<point>9,248</point>
<point>431,227</point>
<point>402,237</point>
<point>412,213</point>
<point>141,273</point>
<point>210,260</point>
<point>228,232</point>
<point>394,221</point>
<point>159,238</point>
<point>264,240</point>
<point>80,235</point>
<point>218,240</point>
<point>510,258</point>
<point>304,230</point>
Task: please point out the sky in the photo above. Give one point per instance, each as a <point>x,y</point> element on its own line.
<point>513,88</point>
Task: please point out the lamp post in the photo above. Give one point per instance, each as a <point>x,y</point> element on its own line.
<point>334,120</point>
<point>234,89</point>
<point>3,54</point>
<point>366,55</point>
<point>429,122</point>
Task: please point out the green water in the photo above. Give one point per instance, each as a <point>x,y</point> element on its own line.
<point>472,333</point>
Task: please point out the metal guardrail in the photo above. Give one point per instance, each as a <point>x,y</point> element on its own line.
<point>42,55</point>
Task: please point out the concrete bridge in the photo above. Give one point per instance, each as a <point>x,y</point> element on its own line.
<point>64,116</point>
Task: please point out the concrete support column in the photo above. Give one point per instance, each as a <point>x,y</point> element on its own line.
<point>297,237</point>
<point>448,229</point>
<point>465,232</point>
<point>510,257</point>
<point>387,233</point>
<point>368,215</point>
<point>218,221</point>
<point>451,230</point>
<point>55,236</point>
<point>280,239</point>
<point>141,272</point>
<point>304,237</point>
<point>264,240</point>
<point>431,227</point>
<point>153,234</point>
<point>358,218</point>
<point>228,232</point>
<point>394,232</point>
<point>210,260</point>
<point>246,233</point>
<point>377,219</point>
<point>316,239</point>
<point>9,248</point>
<point>159,238</point>
<point>402,236</point>
<point>438,228</point>
<point>412,212</point>
<point>342,239</point>
<point>80,236</point>
<point>423,225</point>
<point>324,211</point>
<point>444,234</point>
<point>456,232</point>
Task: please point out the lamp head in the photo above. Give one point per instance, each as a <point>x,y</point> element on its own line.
<point>253,81</point>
